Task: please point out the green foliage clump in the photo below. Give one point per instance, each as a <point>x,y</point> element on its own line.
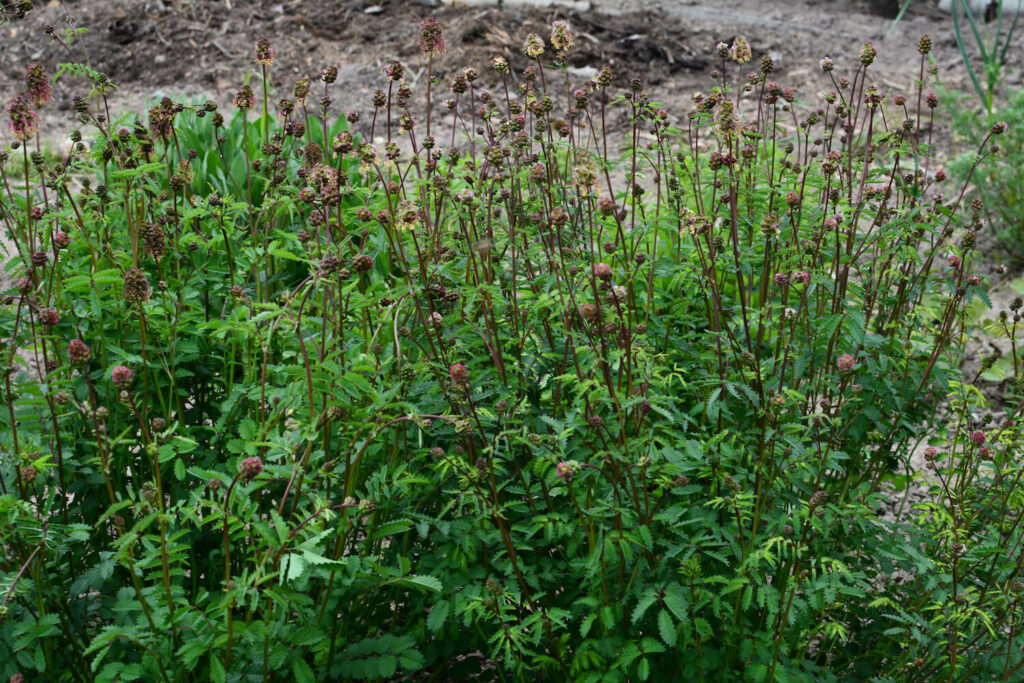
<point>285,402</point>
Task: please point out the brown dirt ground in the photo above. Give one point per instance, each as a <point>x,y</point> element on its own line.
<point>203,47</point>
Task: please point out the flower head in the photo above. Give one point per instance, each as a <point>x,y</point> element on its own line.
<point>431,39</point>
<point>24,121</point>
<point>602,271</point>
<point>122,376</point>
<point>534,46</point>
<point>561,36</point>
<point>999,128</point>
<point>977,437</point>
<point>566,469</point>
<point>244,99</point>
<point>868,52</point>
<point>251,468</point>
<point>263,53</point>
<point>458,373</point>
<point>845,362</point>
<point>37,85</point>
<point>79,352</point>
<point>826,64</point>
<point>740,50</point>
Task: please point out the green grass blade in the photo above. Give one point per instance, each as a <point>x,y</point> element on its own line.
<point>963,54</point>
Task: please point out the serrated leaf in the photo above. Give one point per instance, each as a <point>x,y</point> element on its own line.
<point>217,672</point>
<point>588,622</point>
<point>421,581</point>
<point>666,628</point>
<point>675,600</point>
<point>302,671</point>
<point>646,600</point>
<point>438,615</point>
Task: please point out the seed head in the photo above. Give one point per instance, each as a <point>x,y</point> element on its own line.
<point>932,100</point>
<point>561,36</point>
<point>431,39</point>
<point>999,128</point>
<point>24,122</point>
<point>263,53</point>
<point>924,45</point>
<point>250,468</point>
<point>329,74</point>
<point>37,85</point>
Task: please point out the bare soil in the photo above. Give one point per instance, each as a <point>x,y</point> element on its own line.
<point>151,48</point>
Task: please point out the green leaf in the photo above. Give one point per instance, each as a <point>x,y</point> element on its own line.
<point>438,615</point>
<point>646,600</point>
<point>302,672</point>
<point>423,582</point>
<point>666,628</point>
<point>217,672</point>
<point>397,526</point>
<point>675,600</point>
<point>585,626</point>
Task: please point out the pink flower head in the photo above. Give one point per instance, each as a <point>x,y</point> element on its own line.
<point>458,373</point>
<point>603,271</point>
<point>79,352</point>
<point>977,437</point>
<point>974,279</point>
<point>37,85</point>
<point>122,376</point>
<point>565,470</point>
<point>431,39</point>
<point>953,261</point>
<point>49,317</point>
<point>24,121</point>
<point>999,128</point>
<point>845,362</point>
<point>781,279</point>
<point>251,468</point>
<point>931,453</point>
<point>801,277</point>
